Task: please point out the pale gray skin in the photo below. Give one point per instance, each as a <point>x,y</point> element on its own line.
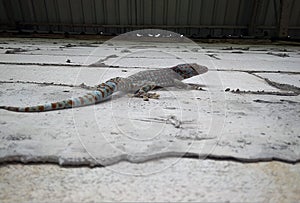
<point>145,81</point>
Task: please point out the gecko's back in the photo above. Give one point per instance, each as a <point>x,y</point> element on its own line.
<point>166,77</point>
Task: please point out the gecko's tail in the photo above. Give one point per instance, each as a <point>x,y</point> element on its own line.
<point>102,93</point>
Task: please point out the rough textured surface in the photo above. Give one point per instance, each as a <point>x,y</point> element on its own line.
<point>163,180</point>
<point>215,123</point>
<point>250,112</point>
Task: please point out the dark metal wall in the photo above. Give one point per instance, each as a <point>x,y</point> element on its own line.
<point>197,18</point>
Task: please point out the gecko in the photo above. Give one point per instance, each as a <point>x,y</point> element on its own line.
<point>139,84</point>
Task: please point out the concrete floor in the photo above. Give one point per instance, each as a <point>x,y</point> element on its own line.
<point>249,134</point>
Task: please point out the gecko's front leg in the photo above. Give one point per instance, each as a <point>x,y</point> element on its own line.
<point>196,86</point>
<point>188,86</point>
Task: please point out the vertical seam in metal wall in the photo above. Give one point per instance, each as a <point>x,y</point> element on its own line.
<point>141,12</point>
<point>47,16</point>
<point>95,13</point>
<point>191,15</point>
<point>237,17</point>
<point>71,14</point>
<point>225,14</point>
<point>136,13</point>
<point>176,13</point>
<point>298,19</point>
<point>201,12</point>
<point>21,9</point>
<point>83,15</point>
<point>104,13</point>
<point>34,14</point>
<point>213,13</point>
<point>33,11</point>
<point>188,19</point>
<point>95,16</point>
<point>128,9</point>
<point>164,12</point>
<point>128,14</point>
<point>57,14</point>
<point>212,31</point>
<point>5,14</point>
<point>238,14</point>
<point>293,4</point>
<point>266,12</point>
<point>152,10</point>
<point>117,10</point>
<point>9,15</point>
<point>275,12</point>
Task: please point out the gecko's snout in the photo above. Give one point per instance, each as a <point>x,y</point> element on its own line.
<point>199,68</point>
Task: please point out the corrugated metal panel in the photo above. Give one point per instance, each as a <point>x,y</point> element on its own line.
<point>199,18</point>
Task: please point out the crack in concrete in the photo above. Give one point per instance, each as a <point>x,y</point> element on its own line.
<point>101,63</point>
<point>292,90</point>
<point>285,87</point>
<point>256,71</point>
<point>82,85</point>
<point>85,162</point>
<point>40,64</point>
<point>281,101</point>
<point>279,54</point>
<point>213,56</point>
<point>237,91</point>
<point>280,86</point>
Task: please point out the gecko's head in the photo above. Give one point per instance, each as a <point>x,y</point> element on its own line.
<point>189,69</point>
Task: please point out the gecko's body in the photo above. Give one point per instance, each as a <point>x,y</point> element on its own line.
<point>139,83</point>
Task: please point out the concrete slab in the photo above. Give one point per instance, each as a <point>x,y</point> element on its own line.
<point>255,123</point>
<point>128,123</point>
<point>173,180</point>
<point>210,123</point>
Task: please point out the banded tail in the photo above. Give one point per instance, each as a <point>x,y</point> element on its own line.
<point>103,92</point>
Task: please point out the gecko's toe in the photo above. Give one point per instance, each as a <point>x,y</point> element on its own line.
<point>200,88</point>
<point>145,96</point>
<point>197,87</point>
<point>152,95</point>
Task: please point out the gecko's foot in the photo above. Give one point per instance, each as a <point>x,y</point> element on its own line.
<point>196,87</point>
<point>151,95</point>
<point>145,96</point>
<point>84,86</point>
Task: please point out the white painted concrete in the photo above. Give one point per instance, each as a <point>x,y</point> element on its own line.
<point>246,127</point>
